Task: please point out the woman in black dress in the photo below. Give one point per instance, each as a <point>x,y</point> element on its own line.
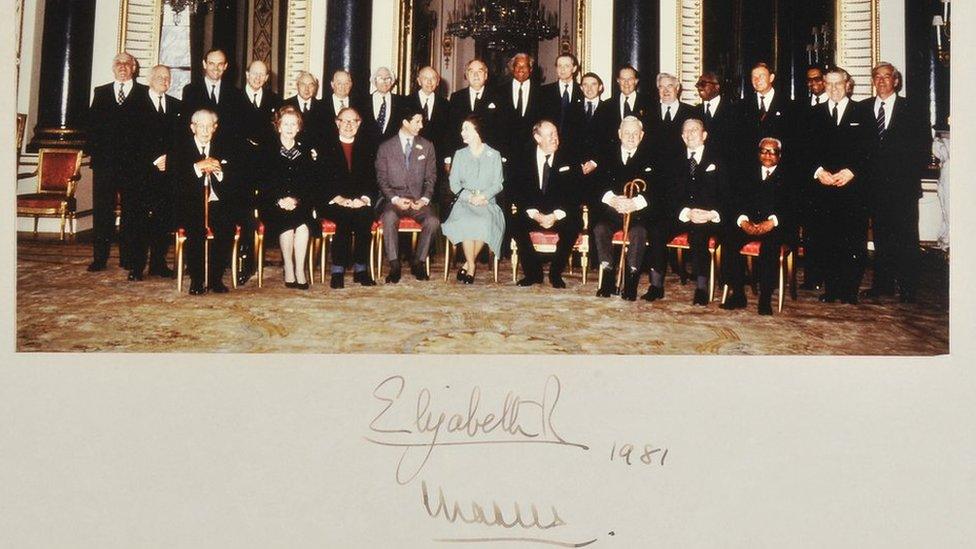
<point>289,169</point>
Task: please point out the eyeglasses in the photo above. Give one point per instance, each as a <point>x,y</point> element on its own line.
<point>353,121</point>
<point>703,83</point>
<point>769,151</point>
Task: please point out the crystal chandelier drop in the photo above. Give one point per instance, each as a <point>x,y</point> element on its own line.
<point>503,24</point>
<point>179,6</point>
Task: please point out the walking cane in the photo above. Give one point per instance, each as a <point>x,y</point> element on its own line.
<point>630,190</point>
<point>206,231</point>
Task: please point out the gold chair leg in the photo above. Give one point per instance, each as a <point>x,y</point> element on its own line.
<point>495,262</point>
<point>310,262</point>
<point>725,293</point>
<point>372,253</point>
<point>260,257</point>
<point>711,277</point>
<point>379,253</point>
<point>178,250</point>
<point>585,264</point>
<point>782,277</point>
<point>514,265</point>
<point>233,263</point>
<point>447,256</point>
<point>62,225</point>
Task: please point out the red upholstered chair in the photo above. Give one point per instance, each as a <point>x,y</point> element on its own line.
<point>680,243</point>
<point>786,270</point>
<point>545,242</point>
<point>449,251</point>
<point>320,246</point>
<point>181,246</point>
<point>58,172</point>
<point>407,225</point>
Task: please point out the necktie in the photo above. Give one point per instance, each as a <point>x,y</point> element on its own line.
<point>305,107</point>
<point>667,115</point>
<point>765,174</point>
<point>708,110</point>
<point>762,107</point>
<point>203,151</point>
<point>477,99</point>
<point>121,97</point>
<point>692,163</point>
<point>518,102</point>
<point>406,152</point>
<point>881,121</point>
<point>381,117</point>
<point>627,110</point>
<point>343,103</point>
<point>159,106</point>
<point>816,100</point>
<point>213,92</point>
<point>627,160</point>
<point>545,174</point>
<point>254,101</point>
<point>427,110</point>
<point>834,114</point>
<point>565,97</point>
<point>589,109</point>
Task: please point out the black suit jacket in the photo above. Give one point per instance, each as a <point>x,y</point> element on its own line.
<point>394,117</point>
<point>612,175</point>
<point>594,130</point>
<point>315,121</point>
<point>571,123</point>
<point>516,127</point>
<point>721,126</point>
<point>564,191</point>
<point>706,189</point>
<point>903,152</point>
<point>666,136</point>
<point>779,122</point>
<point>190,188</point>
<point>642,108</point>
<point>257,123</point>
<point>228,107</point>
<point>114,129</point>
<point>851,145</point>
<point>339,180</point>
<point>758,199</point>
<point>489,109</point>
<point>437,129</point>
<point>158,132</point>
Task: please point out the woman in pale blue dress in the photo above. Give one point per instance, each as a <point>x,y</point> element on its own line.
<point>476,177</point>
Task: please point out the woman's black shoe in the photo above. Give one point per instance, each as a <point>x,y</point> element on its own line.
<point>291,284</point>
<point>462,275</point>
<point>302,285</point>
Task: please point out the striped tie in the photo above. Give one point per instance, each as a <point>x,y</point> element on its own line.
<point>881,121</point>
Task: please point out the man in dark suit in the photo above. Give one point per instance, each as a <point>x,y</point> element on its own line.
<point>895,185</point>
<point>762,209</point>
<point>700,193</point>
<point>384,108</point>
<point>520,100</point>
<point>348,197</point>
<point>764,113</point>
<point>215,94</point>
<point>717,111</point>
<point>149,196</point>
<point>341,97</point>
<point>806,212</point>
<point>593,129</point>
<point>816,87</point>
<point>632,159</point>
<point>628,101</point>
<point>547,191</point>
<point>477,99</point>
<point>315,115</point>
<point>841,143</point>
<point>205,173</point>
<point>562,102</point>
<point>664,122</point>
<point>113,129</point>
<point>406,172</point>
<point>437,124</point>
<point>258,107</point>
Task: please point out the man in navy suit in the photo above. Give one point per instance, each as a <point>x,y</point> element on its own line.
<point>764,113</point>
<point>895,185</point>
<point>547,191</point>
<point>628,101</point>
<point>113,131</point>
<point>215,94</point>
<point>717,111</point>
<point>563,101</point>
<point>149,196</point>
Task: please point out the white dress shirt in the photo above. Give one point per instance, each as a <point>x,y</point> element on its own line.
<point>540,159</point>
<point>563,86</point>
<point>126,89</point>
<point>255,97</point>
<point>339,103</point>
<point>216,90</point>
<point>889,105</point>
<point>712,105</point>
<point>524,86</point>
<point>630,99</point>
<point>674,110</point>
<point>822,99</point>
<point>427,101</point>
<point>472,95</point>
<point>767,98</point>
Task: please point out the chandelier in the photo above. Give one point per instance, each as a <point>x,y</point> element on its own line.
<point>179,6</point>
<point>503,24</point>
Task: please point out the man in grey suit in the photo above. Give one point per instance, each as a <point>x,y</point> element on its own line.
<point>406,171</point>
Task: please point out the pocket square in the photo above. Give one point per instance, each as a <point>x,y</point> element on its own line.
<point>418,147</point>
<point>564,169</point>
<point>491,105</point>
<point>777,113</point>
<point>710,168</point>
<point>855,123</point>
<point>421,157</point>
<point>647,169</point>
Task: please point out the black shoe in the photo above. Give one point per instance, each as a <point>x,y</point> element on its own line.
<point>462,275</point>
<point>302,285</point>
<point>96,266</point>
<point>557,281</point>
<point>337,281</point>
<point>735,300</point>
<point>630,286</point>
<point>244,276</point>
<point>162,272</point>
<point>765,307</point>
<point>196,288</point>
<point>653,293</point>
<point>608,285</point>
<point>394,275</point>
<point>419,271</point>
<point>874,293</point>
<point>529,281</point>
<point>701,297</point>
<point>218,287</point>
<point>827,297</point>
<point>134,276</point>
<point>364,278</point>
<point>291,284</point>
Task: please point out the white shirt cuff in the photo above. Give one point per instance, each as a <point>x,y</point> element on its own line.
<point>740,219</point>
<point>425,200</point>
<point>447,160</point>
<point>559,214</point>
<point>816,174</point>
<point>640,202</point>
<point>774,219</point>
<point>718,218</point>
<point>531,212</point>
<point>607,197</point>
<point>161,158</point>
<point>684,215</point>
<point>366,199</point>
<point>197,171</point>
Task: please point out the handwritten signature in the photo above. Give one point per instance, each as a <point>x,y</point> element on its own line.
<point>518,420</point>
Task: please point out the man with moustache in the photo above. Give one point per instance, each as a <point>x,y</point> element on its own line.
<point>149,196</point>
<point>406,172</point>
<point>895,185</point>
<point>632,159</point>
<point>215,94</point>
<point>716,111</point>
<point>315,114</point>
<point>547,190</point>
<point>477,99</point>
<point>842,140</point>
<point>199,161</point>
<point>113,130</point>
<point>762,210</point>
<point>385,107</point>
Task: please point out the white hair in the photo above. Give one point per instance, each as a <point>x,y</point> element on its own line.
<point>201,113</point>
<point>667,76</point>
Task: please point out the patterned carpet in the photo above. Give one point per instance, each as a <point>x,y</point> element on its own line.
<point>63,308</point>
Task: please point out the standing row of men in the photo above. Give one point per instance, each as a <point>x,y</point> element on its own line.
<point>862,158</point>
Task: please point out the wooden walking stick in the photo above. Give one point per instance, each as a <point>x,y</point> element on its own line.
<point>206,231</point>
<point>630,190</point>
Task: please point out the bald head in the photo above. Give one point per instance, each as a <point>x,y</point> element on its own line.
<point>428,79</point>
